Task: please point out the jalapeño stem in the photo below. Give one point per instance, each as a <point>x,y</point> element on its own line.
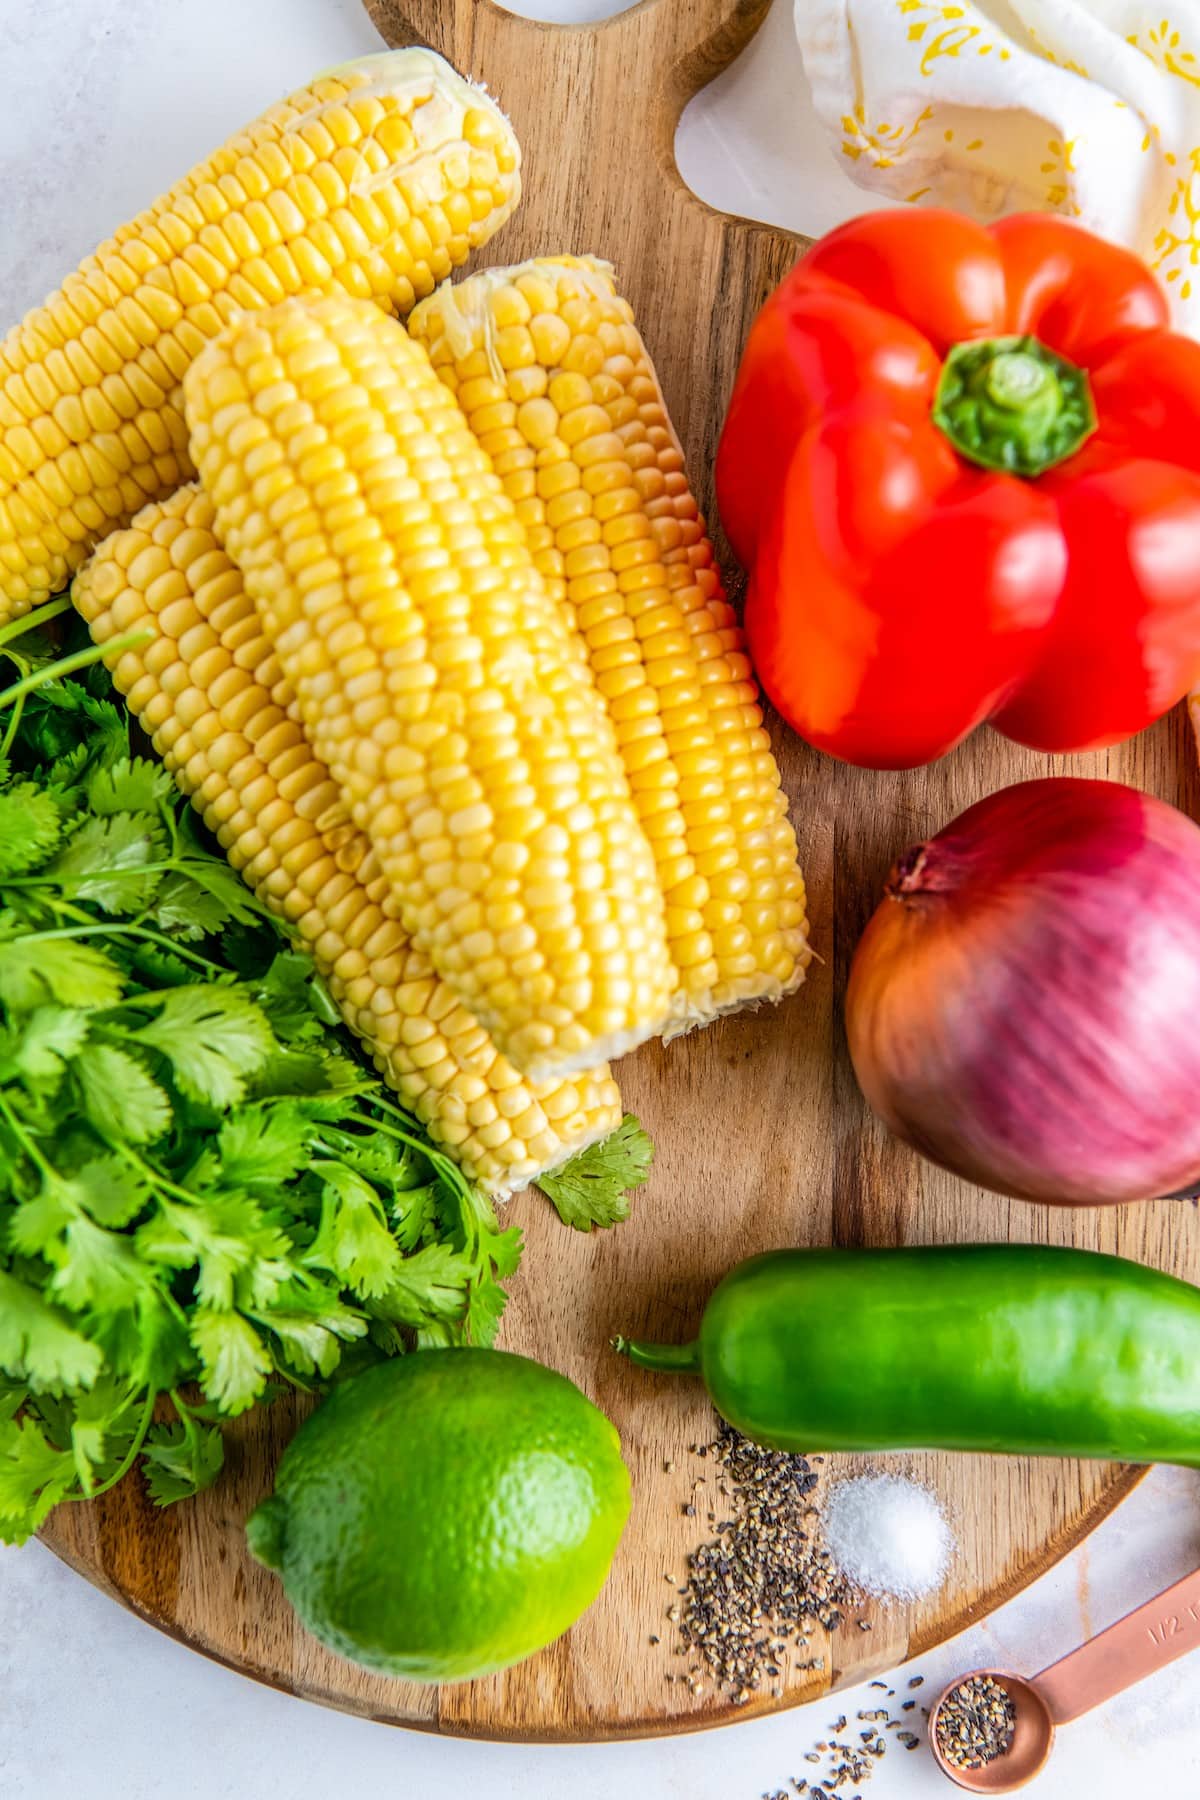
<point>667,1359</point>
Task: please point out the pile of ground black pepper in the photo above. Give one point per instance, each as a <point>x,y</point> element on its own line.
<point>754,1593</point>
<point>975,1723</point>
<point>764,1581</point>
<point>844,1762</point>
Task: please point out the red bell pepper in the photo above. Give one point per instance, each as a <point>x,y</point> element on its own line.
<point>963,468</point>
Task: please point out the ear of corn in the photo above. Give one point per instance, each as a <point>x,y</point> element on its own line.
<point>434,676</point>
<point>377,179</point>
<point>210,690</point>
<point>555,381</point>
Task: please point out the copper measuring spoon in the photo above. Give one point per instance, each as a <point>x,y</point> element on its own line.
<point>1146,1639</point>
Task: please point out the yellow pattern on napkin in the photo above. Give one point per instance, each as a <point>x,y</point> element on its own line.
<point>1085,107</point>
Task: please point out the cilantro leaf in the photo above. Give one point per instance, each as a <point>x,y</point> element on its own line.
<point>311,1343</point>
<point>381,1159</point>
<point>224,888</point>
<point>128,785</point>
<point>62,969</point>
<point>105,861</point>
<point>153,967</point>
<point>64,714</point>
<point>39,1222</point>
<point>224,1239</point>
<point>185,907</point>
<point>504,1249</point>
<point>591,1189</point>
<point>112,1192</point>
<point>30,826</point>
<point>234,1358</point>
<point>34,1477</point>
<point>287,997</point>
<point>181,1460</point>
<point>213,1038</point>
<point>120,1096</point>
<point>103,1424</point>
<point>353,1241</point>
<point>51,1036</point>
<point>414,1214</point>
<point>485,1309</point>
<point>191,1187</point>
<point>96,1268</point>
<point>430,1285</point>
<point>37,1343</point>
<point>148,1344</point>
<point>263,1146</point>
<point>12,1398</point>
<point>61,777</point>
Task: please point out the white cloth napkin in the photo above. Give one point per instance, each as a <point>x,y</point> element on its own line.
<point>1085,107</point>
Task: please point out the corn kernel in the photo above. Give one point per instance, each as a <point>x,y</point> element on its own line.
<point>491,696</point>
<point>260,785</point>
<point>604,500</point>
<point>310,196</point>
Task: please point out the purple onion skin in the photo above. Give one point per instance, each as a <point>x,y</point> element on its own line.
<point>1024,1005</point>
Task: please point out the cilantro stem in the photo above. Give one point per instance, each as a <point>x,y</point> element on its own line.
<point>27,1143</point>
<point>15,630</point>
<point>133,1247</point>
<point>175,947</point>
<point>67,665</point>
<point>6,742</point>
<point>476,1215</point>
<point>171,867</point>
<point>30,621</point>
<point>139,1438</point>
<point>169,813</point>
<point>409,1135</point>
<point>184,1414</point>
<point>158,1183</point>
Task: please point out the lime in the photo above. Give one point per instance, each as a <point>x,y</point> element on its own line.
<point>447,1514</point>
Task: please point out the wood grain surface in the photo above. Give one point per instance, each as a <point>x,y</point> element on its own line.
<point>762,1136</point>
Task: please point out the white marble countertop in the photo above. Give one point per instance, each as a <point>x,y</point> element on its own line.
<point>105,102</point>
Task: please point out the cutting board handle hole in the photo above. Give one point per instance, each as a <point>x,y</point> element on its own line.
<point>566,12</point>
<point>758,114</point>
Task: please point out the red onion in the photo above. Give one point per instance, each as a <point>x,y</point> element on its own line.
<point>1024,1006</point>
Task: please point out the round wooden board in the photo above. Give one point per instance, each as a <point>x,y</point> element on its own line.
<point>762,1136</point>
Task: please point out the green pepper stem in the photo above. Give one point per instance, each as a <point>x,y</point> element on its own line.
<point>1012,403</point>
<point>667,1359</point>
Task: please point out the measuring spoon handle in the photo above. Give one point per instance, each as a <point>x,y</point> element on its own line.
<point>1146,1639</point>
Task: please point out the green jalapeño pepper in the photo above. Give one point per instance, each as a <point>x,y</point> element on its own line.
<point>996,1347</point>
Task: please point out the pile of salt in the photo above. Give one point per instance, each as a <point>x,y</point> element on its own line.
<point>888,1535</point>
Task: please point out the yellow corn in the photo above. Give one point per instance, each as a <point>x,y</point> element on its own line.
<point>376,179</point>
<point>557,385</point>
<point>210,690</point>
<point>434,675</point>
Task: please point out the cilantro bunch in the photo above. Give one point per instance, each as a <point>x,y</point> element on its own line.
<point>203,1190</point>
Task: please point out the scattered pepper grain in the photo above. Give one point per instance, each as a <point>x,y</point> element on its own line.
<point>754,1589</point>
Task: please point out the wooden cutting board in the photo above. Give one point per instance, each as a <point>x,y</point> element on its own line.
<point>762,1136</point>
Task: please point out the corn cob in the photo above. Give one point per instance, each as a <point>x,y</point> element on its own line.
<point>210,690</point>
<point>434,676</point>
<point>557,385</point>
<point>376,179</point>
